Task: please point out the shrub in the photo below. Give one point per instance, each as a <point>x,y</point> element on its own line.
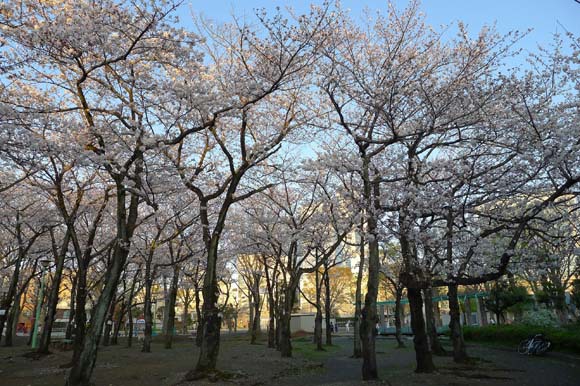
<point>563,339</point>
<point>540,318</point>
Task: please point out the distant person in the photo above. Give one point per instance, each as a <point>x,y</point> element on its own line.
<point>336,328</point>
<point>347,325</point>
<point>331,327</point>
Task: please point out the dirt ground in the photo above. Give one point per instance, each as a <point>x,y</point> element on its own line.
<point>253,365</point>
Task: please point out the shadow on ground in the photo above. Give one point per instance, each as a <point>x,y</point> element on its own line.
<point>254,365</point>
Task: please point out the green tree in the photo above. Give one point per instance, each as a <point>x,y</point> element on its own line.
<point>504,296</point>
<point>576,293</point>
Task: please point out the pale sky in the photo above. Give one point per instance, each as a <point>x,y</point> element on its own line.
<point>544,16</point>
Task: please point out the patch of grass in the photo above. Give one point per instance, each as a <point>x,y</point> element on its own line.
<point>565,338</point>
<point>304,348</point>
<point>388,346</point>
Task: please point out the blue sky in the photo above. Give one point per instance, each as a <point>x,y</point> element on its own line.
<point>543,16</point>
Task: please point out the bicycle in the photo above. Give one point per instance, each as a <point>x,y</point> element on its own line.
<point>534,345</point>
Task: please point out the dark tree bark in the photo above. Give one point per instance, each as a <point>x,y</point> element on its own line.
<point>12,320</point>
<point>171,308</point>
<point>130,308</point>
<point>130,327</point>
<point>272,331</point>
<point>482,311</point>
<point>327,306</point>
<point>211,319</point>
<point>278,332</point>
<point>437,314</point>
<point>369,313</point>
<point>270,278</point>
<point>80,312</point>
<point>185,314</point>
<point>318,317</point>
<point>286,315</point>
<point>420,340</point>
<point>84,257</point>
<point>318,329</point>
<point>434,342</point>
<point>126,218</point>
<point>81,372</point>
<point>199,319</point>
<point>255,310</point>
<point>398,312</point>
<point>109,321</point>
<point>285,339</point>
<point>357,349</point>
<point>459,352</point>
<point>23,248</point>
<point>118,322</point>
<point>317,304</point>
<point>71,315</point>
<point>54,291</point>
<point>148,333</point>
<point>467,311</point>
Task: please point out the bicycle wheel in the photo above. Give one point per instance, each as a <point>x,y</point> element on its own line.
<point>541,347</point>
<point>523,346</point>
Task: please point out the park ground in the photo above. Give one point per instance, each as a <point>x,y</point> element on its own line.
<point>254,365</point>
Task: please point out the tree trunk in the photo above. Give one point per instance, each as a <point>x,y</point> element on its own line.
<point>148,333</point>
<point>285,340</point>
<point>12,320</point>
<point>250,313</point>
<point>272,315</point>
<point>278,333</point>
<point>118,323</point>
<point>130,321</point>
<point>12,288</point>
<point>81,372</point>
<point>434,342</point>
<point>211,325</point>
<point>71,315</point>
<point>271,305</point>
<point>170,309</point>
<point>272,330</point>
<point>318,329</point>
<point>53,296</point>
<point>437,314</point>
<point>420,340</point>
<point>466,311</point>
<point>482,312</point>
<point>109,321</point>
<point>459,353</point>
<point>130,307</point>
<point>185,315</point>
<point>255,295</point>
<point>256,323</point>
<point>367,335</point>
<point>398,310</point>
<point>369,313</point>
<point>327,309</point>
<point>318,317</point>
<point>80,312</point>
<point>236,319</point>
<point>199,318</point>
<point>285,343</point>
<point>357,350</point>
<point>211,319</point>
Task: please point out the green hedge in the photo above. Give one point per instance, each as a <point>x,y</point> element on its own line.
<point>563,339</point>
